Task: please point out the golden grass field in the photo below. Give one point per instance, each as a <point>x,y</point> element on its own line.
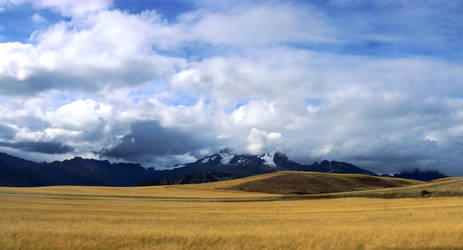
<point>204,217</point>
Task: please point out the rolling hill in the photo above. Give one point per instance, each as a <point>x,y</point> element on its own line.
<point>304,183</point>
<point>312,185</point>
<point>318,183</point>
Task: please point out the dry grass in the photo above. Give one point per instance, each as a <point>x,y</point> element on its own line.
<point>155,192</point>
<point>439,188</point>
<point>195,217</point>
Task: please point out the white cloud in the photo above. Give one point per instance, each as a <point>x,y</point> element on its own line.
<point>260,141</point>
<point>323,150</point>
<point>247,83</point>
<point>90,59</point>
<point>255,113</point>
<point>74,8</point>
<point>257,76</point>
<point>263,24</point>
<point>37,18</point>
<point>79,115</point>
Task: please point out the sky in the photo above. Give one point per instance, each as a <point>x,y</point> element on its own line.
<point>375,83</point>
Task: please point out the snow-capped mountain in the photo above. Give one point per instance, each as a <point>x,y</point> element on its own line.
<point>241,165</point>
<point>223,165</point>
<point>226,157</point>
<point>268,159</point>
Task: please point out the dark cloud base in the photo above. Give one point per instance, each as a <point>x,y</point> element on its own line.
<point>150,139</point>
<point>39,147</point>
<point>6,132</point>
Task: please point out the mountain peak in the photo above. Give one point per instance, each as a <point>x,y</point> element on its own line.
<point>268,159</point>
<point>226,157</point>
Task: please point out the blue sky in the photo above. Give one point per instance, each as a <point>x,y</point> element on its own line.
<point>365,22</point>
<point>169,10</point>
<point>375,83</point>
<point>18,24</point>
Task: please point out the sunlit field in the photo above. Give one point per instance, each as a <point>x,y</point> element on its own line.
<point>191,217</point>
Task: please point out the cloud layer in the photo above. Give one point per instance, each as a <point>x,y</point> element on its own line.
<point>315,81</point>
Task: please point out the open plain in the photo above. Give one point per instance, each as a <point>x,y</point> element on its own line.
<point>208,216</point>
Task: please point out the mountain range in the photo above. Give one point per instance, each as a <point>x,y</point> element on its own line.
<point>15,171</point>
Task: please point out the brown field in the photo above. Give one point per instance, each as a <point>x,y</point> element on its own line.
<point>205,217</point>
<point>317,183</point>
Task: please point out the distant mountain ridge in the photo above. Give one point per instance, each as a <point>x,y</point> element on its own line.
<point>242,165</point>
<point>417,174</point>
<point>77,171</point>
<point>15,171</point>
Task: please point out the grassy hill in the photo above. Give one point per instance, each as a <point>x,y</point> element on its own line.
<point>312,185</point>
<point>318,183</point>
<point>444,187</point>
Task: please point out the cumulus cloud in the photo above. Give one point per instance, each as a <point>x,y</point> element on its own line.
<point>79,114</point>
<point>252,76</point>
<point>37,18</point>
<point>255,113</point>
<point>86,55</point>
<point>260,141</point>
